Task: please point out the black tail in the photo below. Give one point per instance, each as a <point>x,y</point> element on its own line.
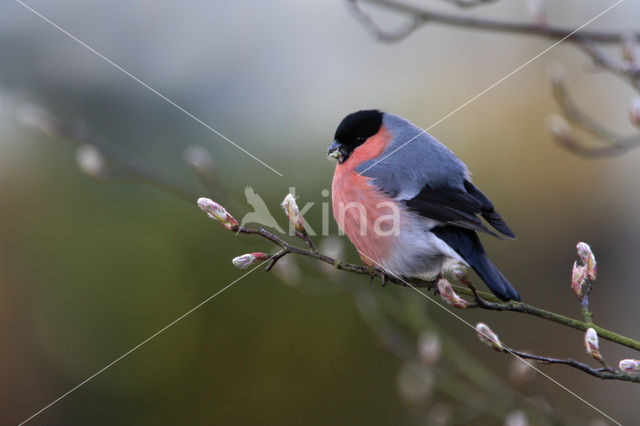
<point>467,244</point>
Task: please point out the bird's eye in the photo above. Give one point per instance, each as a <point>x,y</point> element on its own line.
<point>360,139</point>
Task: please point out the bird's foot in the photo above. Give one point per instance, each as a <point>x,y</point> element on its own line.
<point>376,270</point>
<point>434,283</point>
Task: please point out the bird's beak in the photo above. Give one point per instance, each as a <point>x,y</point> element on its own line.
<point>335,151</point>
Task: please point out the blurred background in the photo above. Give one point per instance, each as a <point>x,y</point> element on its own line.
<point>91,267</point>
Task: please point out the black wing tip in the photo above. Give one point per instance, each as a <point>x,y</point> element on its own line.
<point>499,224</point>
<point>503,228</point>
<point>507,232</point>
<point>488,210</point>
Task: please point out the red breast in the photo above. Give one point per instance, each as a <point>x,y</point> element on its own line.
<point>356,202</point>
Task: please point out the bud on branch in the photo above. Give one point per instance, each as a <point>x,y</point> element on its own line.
<point>488,337</point>
<point>246,260</point>
<point>629,365</point>
<point>217,212</point>
<point>450,296</point>
<point>578,276</point>
<point>591,344</point>
<point>293,213</point>
<point>429,348</point>
<point>459,273</point>
<point>199,159</point>
<point>90,161</point>
<point>588,259</point>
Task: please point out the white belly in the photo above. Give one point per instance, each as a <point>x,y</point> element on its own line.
<point>418,252</point>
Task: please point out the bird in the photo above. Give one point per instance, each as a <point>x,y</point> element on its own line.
<point>260,213</point>
<point>407,202</point>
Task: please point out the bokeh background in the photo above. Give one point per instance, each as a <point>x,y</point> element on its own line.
<point>89,269</point>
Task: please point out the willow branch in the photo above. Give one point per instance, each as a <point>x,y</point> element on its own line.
<point>604,373</point>
<point>381,34</point>
<point>456,20</point>
<point>483,300</point>
<point>609,143</point>
<point>467,4</point>
<point>628,71</point>
<point>459,374</point>
<point>488,301</point>
<point>492,303</point>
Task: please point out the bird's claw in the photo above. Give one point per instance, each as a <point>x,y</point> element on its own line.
<point>379,271</point>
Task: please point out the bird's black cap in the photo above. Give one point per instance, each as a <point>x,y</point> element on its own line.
<point>354,130</point>
<point>357,127</point>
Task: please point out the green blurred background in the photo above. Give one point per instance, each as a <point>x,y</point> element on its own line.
<point>89,269</point>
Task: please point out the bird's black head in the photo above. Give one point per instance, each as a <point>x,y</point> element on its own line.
<point>353,131</point>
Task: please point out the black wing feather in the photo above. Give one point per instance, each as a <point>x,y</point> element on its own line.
<point>488,211</point>
<point>460,208</point>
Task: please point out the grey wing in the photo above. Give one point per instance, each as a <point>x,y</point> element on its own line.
<point>433,182</point>
<point>413,159</point>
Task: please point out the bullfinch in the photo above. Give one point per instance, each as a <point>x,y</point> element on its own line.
<point>407,203</point>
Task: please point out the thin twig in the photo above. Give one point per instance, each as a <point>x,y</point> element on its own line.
<point>629,71</point>
<point>379,33</point>
<point>305,237</point>
<point>275,258</point>
<point>467,4</point>
<point>584,301</point>
<point>468,22</point>
<point>605,373</point>
<point>612,143</point>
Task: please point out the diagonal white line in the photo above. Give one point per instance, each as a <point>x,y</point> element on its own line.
<point>145,85</point>
<point>138,345</point>
<point>496,83</point>
<point>506,349</point>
